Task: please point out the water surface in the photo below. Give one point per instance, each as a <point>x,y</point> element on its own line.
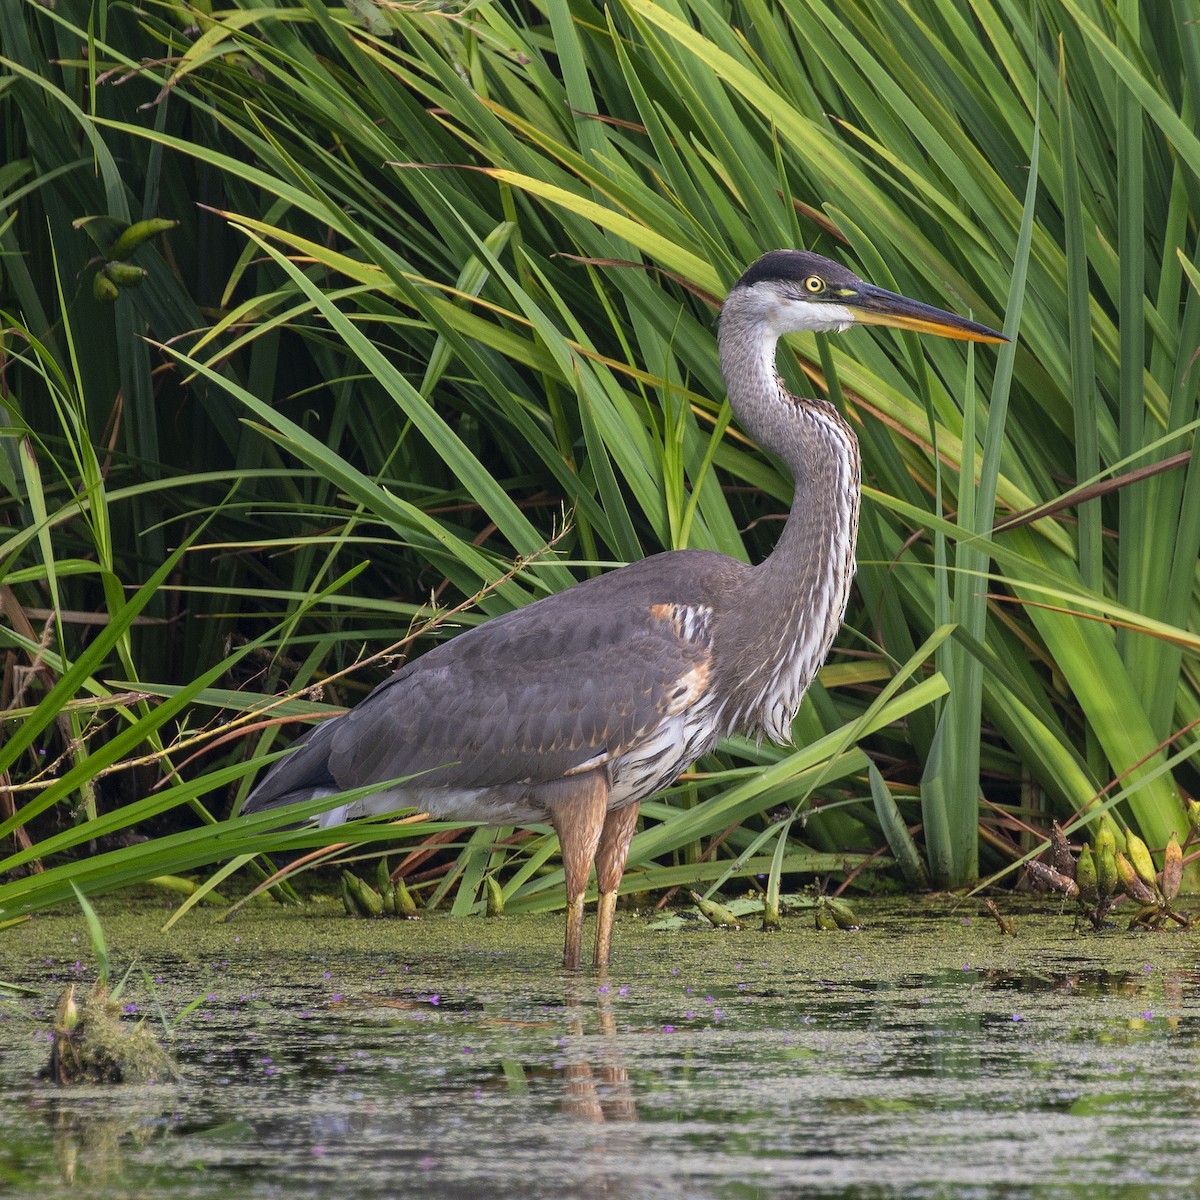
<point>925,1055</point>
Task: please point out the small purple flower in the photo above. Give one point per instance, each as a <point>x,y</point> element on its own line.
<point>668,1029</point>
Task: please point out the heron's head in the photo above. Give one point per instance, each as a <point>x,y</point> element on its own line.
<point>792,291</point>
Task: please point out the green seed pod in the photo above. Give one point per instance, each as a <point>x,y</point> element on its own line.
<point>1172,872</point>
<point>1085,876</point>
<point>104,289</point>
<point>1139,856</point>
<point>370,902</point>
<point>1107,882</point>
<point>495,896</point>
<point>1193,814</point>
<point>348,901</point>
<point>406,906</point>
<point>842,913</point>
<point>137,233</point>
<point>1131,882</point>
<point>823,918</point>
<point>124,273</point>
<point>718,914</point>
<point>66,1014</point>
<point>1105,837</point>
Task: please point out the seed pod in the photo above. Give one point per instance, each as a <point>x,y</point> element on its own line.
<point>1105,836</point>
<point>1055,880</point>
<point>383,882</point>
<point>134,235</point>
<point>718,914</point>
<point>370,902</point>
<point>1172,872</point>
<point>66,1014</point>
<point>1131,882</point>
<point>495,896</point>
<point>1060,850</point>
<point>842,913</point>
<point>1106,872</point>
<point>1193,814</point>
<point>348,901</point>
<point>1085,876</point>
<point>823,919</point>
<point>406,906</point>
<point>124,273</point>
<point>104,289</point>
<point>1139,856</point>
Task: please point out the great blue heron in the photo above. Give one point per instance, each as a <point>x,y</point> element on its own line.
<point>575,708</point>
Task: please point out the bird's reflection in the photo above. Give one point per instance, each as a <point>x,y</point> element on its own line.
<point>596,1075</point>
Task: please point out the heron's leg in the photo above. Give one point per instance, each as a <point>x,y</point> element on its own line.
<point>610,866</point>
<point>578,817</point>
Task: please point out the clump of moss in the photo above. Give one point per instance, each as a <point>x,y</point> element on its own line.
<point>91,1044</point>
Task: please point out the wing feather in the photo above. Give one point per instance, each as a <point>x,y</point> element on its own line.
<point>483,711</point>
<point>542,693</point>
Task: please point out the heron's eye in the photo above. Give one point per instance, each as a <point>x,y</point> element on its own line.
<point>814,285</point>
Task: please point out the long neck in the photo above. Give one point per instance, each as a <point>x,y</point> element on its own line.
<point>796,597</point>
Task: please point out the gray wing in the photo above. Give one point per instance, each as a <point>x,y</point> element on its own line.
<point>550,690</point>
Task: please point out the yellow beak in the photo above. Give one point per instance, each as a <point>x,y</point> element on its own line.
<point>875,306</point>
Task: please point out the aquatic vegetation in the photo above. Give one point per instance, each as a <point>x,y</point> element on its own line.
<point>1103,875</point>
<point>93,1043</point>
<point>389,898</point>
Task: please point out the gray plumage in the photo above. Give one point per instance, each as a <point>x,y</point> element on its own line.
<point>601,695</point>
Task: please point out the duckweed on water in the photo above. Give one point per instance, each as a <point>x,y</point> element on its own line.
<point>924,1055</point>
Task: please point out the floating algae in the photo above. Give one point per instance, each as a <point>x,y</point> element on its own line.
<point>91,1044</point>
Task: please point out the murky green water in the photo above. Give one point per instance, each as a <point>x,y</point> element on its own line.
<point>923,1056</point>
